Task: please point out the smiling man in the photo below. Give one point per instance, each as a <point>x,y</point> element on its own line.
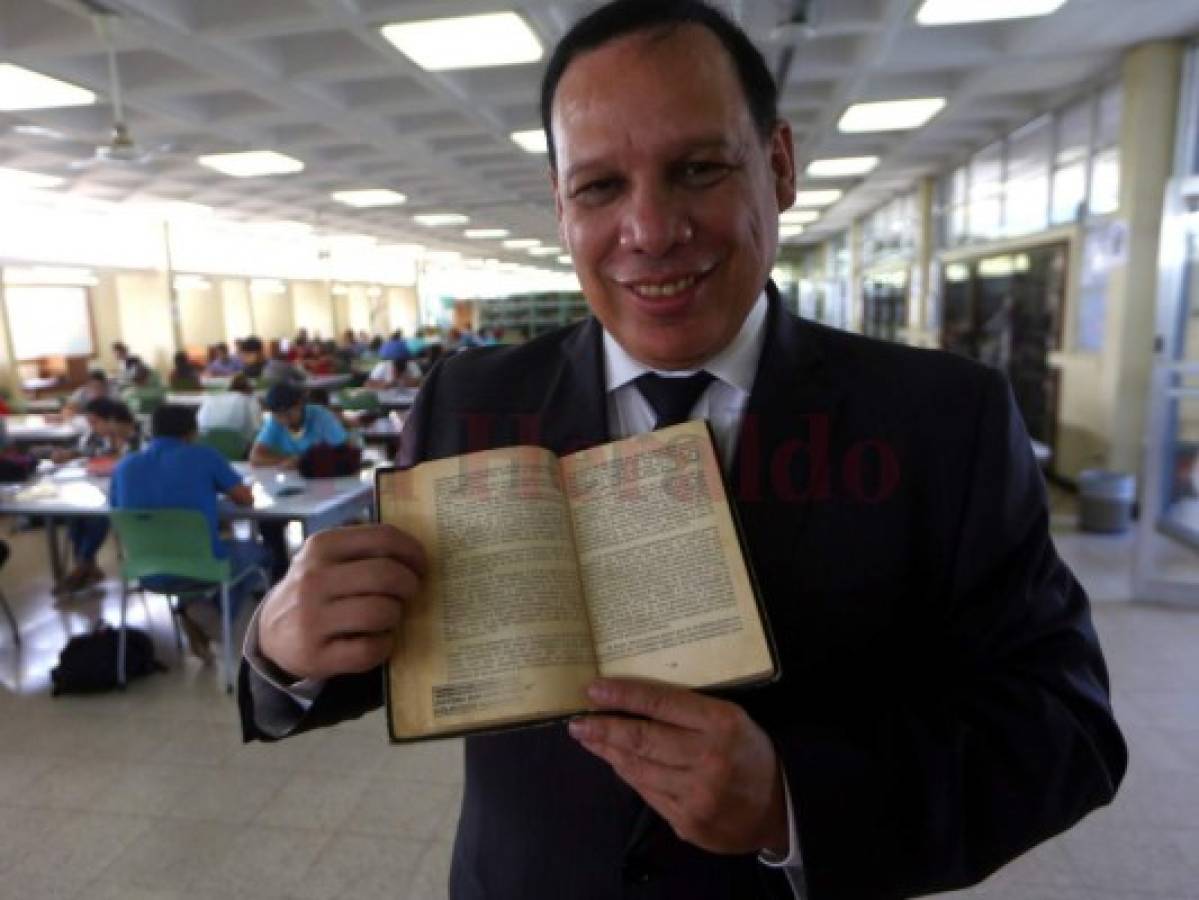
<point>943,705</point>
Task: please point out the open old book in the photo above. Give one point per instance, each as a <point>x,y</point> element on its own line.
<point>623,560</point>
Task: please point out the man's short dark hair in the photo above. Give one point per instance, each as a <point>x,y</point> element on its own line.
<point>283,396</point>
<point>624,17</point>
<point>100,407</point>
<point>173,421</point>
<point>97,375</point>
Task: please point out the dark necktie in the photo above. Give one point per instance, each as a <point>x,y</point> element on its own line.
<point>672,398</point>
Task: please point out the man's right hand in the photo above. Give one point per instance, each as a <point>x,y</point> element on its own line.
<point>337,609</point>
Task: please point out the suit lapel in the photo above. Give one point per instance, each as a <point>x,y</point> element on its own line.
<point>574,412</point>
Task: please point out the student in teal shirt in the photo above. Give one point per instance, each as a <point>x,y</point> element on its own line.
<point>293,426</point>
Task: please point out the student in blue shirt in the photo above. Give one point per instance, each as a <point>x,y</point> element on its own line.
<point>293,427</point>
<point>175,473</point>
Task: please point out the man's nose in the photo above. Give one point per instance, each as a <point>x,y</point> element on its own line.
<point>655,221</point>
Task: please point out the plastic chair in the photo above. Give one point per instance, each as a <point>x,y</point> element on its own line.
<point>228,442</point>
<point>176,543</point>
<point>360,401</point>
<point>145,400</point>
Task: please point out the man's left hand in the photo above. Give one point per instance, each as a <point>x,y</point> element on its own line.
<point>701,763</point>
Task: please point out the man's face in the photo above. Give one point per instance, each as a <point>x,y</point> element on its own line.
<point>294,416</point>
<point>667,196</point>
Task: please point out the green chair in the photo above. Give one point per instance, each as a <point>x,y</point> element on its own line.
<point>228,442</point>
<point>144,400</point>
<point>175,543</point>
<point>360,401</point>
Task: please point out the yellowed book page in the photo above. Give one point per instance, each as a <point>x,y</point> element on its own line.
<point>499,633</point>
<point>663,573</point>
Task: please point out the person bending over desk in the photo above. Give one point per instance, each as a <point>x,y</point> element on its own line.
<point>175,473</point>
<point>112,432</point>
<point>293,427</point>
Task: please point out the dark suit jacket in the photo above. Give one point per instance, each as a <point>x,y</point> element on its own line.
<point>944,703</point>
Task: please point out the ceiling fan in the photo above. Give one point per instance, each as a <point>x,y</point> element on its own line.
<point>120,147</point>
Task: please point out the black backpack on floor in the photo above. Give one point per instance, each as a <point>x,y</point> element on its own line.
<point>88,663</point>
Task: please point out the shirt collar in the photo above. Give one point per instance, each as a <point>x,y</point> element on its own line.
<point>735,365</point>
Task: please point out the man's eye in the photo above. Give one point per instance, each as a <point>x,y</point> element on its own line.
<point>597,190</point>
<point>702,174</point>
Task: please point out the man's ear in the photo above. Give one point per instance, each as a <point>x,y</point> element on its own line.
<point>782,163</point>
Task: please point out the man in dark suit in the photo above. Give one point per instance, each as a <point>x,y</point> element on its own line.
<point>944,703</point>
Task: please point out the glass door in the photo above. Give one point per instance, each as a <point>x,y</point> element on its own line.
<point>1166,563</point>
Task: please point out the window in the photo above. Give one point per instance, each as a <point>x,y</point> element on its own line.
<point>986,193</point>
<point>1026,207</point>
<point>31,307</point>
<point>1105,170</point>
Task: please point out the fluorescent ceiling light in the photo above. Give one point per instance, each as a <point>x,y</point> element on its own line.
<point>799,217</point>
<point>18,178</point>
<point>521,243</point>
<point>955,12</point>
<point>544,251</point>
<point>533,141</point>
<point>251,163</point>
<point>817,198</point>
<point>437,220</point>
<point>366,199</point>
<point>790,231</point>
<point>842,167</point>
<point>890,115</point>
<point>486,234</point>
<point>466,42</point>
<point>565,259</point>
<point>23,89</point>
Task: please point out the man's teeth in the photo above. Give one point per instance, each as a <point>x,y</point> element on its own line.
<point>665,290</point>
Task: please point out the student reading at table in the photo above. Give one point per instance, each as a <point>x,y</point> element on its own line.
<point>112,432</point>
<point>293,427</point>
<point>95,386</point>
<point>173,472</point>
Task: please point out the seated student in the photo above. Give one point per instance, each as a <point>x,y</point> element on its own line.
<point>389,374</point>
<point>95,386</point>
<point>292,428</point>
<point>184,376</point>
<point>252,358</point>
<point>237,410</point>
<point>279,370</point>
<point>173,472</point>
<point>221,363</point>
<point>112,432</point>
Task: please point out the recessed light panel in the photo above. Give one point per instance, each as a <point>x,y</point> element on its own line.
<point>890,115</point>
<point>799,217</point>
<point>439,220</point>
<point>790,231</point>
<point>816,198</point>
<point>366,199</point>
<point>23,89</point>
<point>19,178</point>
<point>251,163</point>
<point>544,251</point>
<point>466,42</point>
<point>842,167</point>
<point>532,141</point>
<point>485,234</point>
<point>521,243</point>
<point>956,12</point>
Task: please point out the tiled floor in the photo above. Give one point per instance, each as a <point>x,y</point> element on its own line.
<point>150,794</point>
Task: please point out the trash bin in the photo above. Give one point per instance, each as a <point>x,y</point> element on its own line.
<point>1105,500</point>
